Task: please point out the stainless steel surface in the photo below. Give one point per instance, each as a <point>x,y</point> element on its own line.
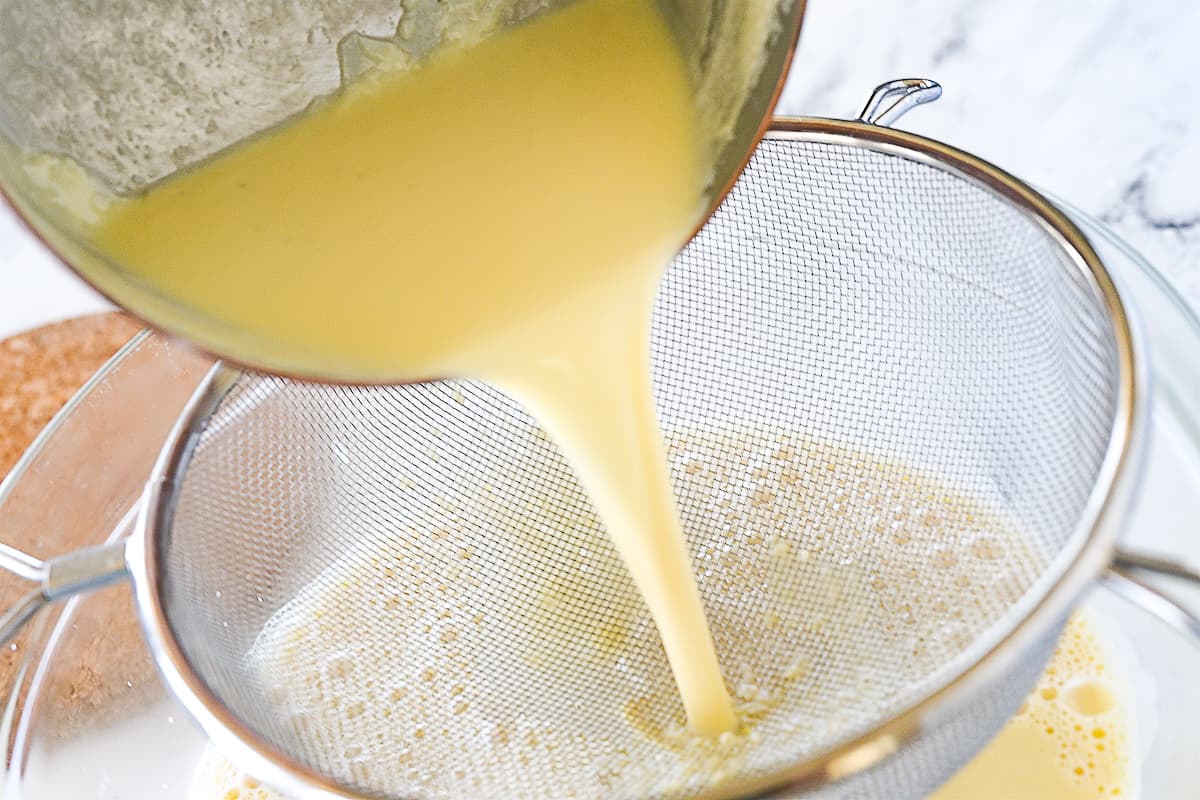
<point>894,99</point>
<point>20,613</point>
<point>80,571</point>
<point>21,564</point>
<point>1153,584</point>
<point>85,570</point>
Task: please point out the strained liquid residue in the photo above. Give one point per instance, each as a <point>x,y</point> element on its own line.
<point>511,634</point>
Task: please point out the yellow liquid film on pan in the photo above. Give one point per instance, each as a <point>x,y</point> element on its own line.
<point>502,212</point>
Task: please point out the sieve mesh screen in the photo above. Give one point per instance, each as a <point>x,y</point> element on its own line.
<point>887,394</point>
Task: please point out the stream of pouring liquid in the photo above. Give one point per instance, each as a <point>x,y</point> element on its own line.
<point>502,212</point>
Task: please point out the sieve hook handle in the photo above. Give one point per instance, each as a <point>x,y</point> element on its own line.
<point>892,100</point>
<point>58,578</point>
<point>1152,583</point>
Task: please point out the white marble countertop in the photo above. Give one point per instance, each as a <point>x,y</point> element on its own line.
<point>1094,100</point>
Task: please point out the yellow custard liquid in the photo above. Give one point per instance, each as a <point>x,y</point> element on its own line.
<point>502,212</point>
<point>1069,741</point>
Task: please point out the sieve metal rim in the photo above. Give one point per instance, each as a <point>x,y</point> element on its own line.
<point>1072,571</point>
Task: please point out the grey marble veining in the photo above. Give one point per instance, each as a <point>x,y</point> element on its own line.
<point>1096,101</point>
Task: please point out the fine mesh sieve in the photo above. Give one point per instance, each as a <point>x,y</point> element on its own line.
<point>893,395</point>
<point>897,390</point>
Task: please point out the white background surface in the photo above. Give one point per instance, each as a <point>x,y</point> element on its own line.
<point>1097,101</point>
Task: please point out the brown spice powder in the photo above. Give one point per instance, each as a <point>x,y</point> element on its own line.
<point>39,371</point>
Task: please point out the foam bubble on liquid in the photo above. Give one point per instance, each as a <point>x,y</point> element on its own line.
<point>458,640</point>
<point>1075,705</point>
<point>217,779</point>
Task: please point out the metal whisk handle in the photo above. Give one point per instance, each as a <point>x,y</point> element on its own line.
<point>1143,580</point>
<point>58,578</point>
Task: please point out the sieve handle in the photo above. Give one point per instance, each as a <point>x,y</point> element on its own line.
<point>894,99</point>
<point>70,574</point>
<point>1153,584</point>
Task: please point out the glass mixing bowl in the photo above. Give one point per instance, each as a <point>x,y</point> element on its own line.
<point>88,718</point>
<point>109,98</point>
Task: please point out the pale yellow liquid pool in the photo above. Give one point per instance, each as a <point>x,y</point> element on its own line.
<point>1069,741</point>
<point>502,212</point>
<point>450,658</point>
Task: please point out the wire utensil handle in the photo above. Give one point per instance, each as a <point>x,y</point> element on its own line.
<point>59,578</point>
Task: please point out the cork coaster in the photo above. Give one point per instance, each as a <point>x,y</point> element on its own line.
<point>39,371</point>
